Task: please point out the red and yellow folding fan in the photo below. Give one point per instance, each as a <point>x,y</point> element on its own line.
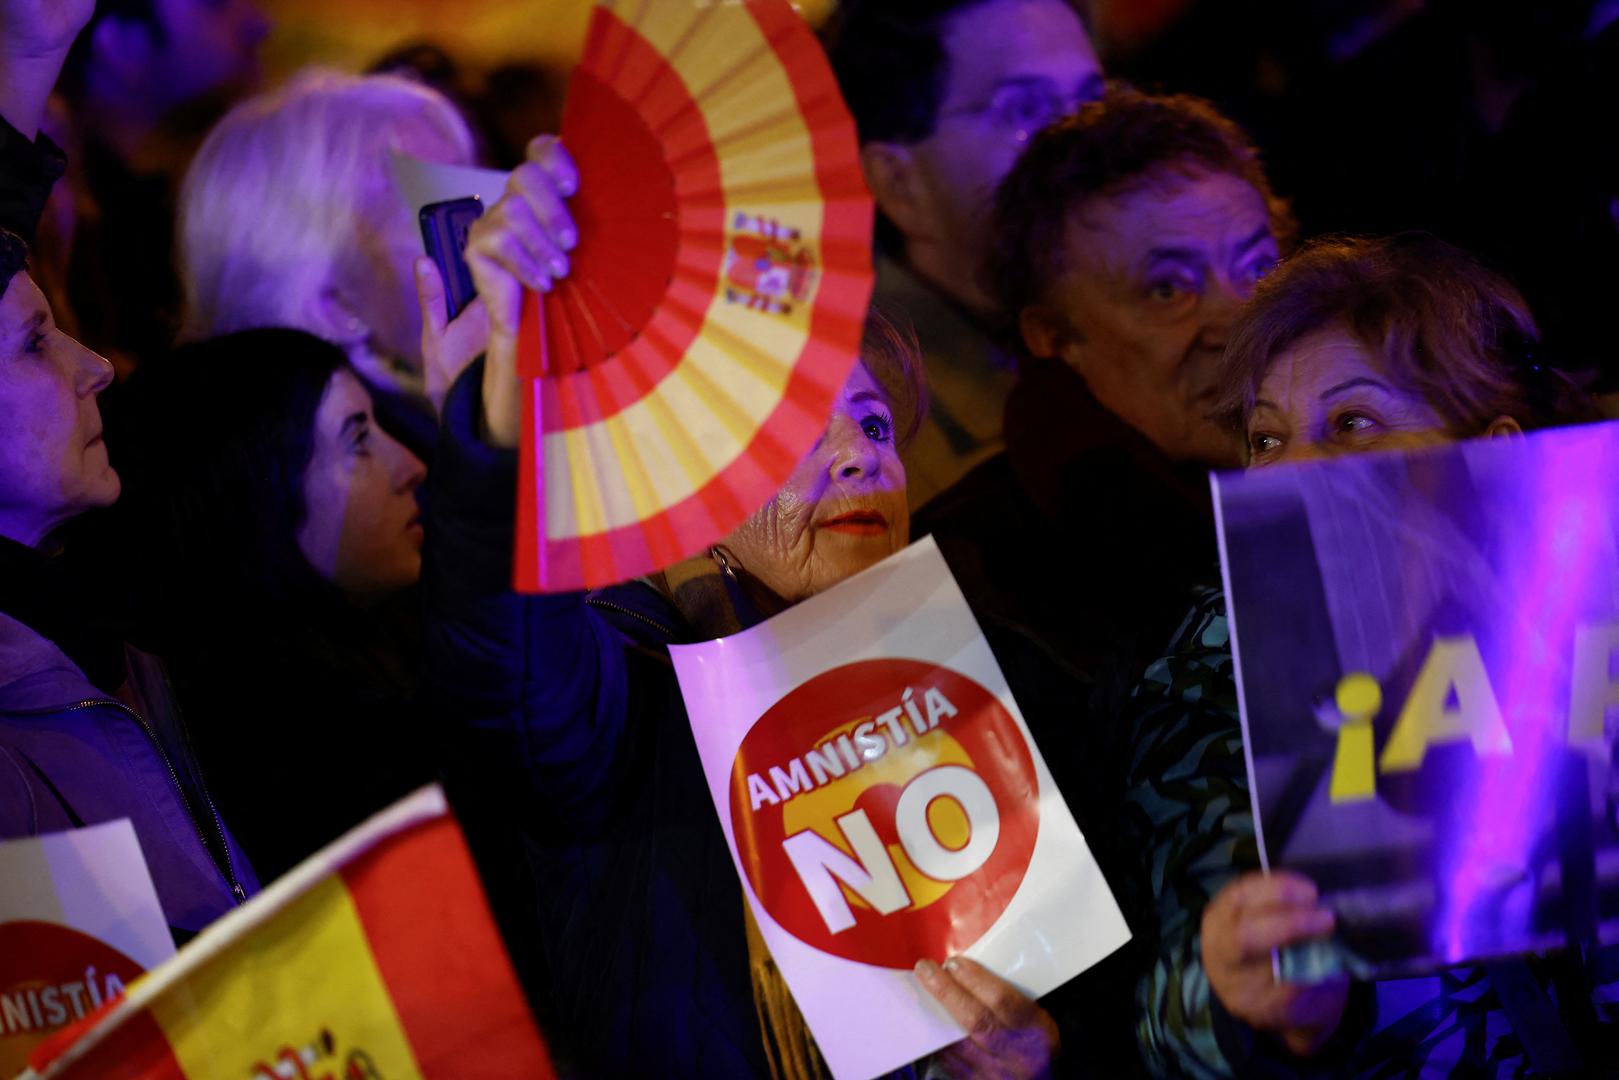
<point>717,293</point>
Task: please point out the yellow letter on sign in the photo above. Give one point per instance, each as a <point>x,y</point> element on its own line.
<point>1453,663</point>
<point>1358,699</point>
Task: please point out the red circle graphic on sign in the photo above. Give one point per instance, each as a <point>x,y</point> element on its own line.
<point>886,811</point>
<point>51,978</point>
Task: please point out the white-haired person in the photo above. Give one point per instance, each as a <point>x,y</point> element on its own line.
<point>289,217</point>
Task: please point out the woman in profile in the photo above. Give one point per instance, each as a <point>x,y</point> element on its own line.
<point>87,729</point>
<point>279,542</point>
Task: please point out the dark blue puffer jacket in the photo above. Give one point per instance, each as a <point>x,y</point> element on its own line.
<point>72,756</point>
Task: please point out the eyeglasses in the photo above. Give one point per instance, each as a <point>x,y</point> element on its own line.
<point>1024,108</point>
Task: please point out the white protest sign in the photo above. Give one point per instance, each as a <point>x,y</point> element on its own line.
<point>884,803</point>
<point>422,183</point>
<point>79,920</point>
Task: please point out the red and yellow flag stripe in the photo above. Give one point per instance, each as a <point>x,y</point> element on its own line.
<point>378,960</point>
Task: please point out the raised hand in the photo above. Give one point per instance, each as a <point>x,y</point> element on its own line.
<point>520,242</point>
<point>42,28</point>
<point>448,345</point>
<point>35,36</point>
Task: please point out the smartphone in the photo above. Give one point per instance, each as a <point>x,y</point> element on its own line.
<point>444,235</point>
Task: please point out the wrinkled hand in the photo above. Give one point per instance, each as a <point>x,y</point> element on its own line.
<point>1008,1034</point>
<point>448,345</point>
<point>42,28</point>
<point>1250,917</point>
<point>520,242</point>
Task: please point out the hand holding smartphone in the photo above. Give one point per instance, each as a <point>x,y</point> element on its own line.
<point>444,235</point>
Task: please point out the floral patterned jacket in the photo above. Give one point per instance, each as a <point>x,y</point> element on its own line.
<point>1189,806</point>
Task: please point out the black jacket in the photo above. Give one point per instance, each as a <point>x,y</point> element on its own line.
<point>307,727</point>
<point>1082,531</point>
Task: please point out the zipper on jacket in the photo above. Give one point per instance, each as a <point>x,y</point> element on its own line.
<point>655,624</point>
<point>202,790</point>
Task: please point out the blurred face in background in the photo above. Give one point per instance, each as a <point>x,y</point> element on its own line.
<point>1012,67</point>
<point>842,509</point>
<point>206,48</point>
<point>1153,278</point>
<point>53,463</point>
<point>362,529</point>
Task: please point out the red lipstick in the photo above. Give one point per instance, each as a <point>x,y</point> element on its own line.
<point>858,523</point>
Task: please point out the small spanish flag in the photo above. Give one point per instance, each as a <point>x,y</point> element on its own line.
<point>376,959</point>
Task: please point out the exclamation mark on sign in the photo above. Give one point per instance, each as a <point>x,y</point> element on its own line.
<point>1354,769</point>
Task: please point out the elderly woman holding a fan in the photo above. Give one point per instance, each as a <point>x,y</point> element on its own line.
<point>575,749</point>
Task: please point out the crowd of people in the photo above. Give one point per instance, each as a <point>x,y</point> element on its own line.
<point>257,499</point>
